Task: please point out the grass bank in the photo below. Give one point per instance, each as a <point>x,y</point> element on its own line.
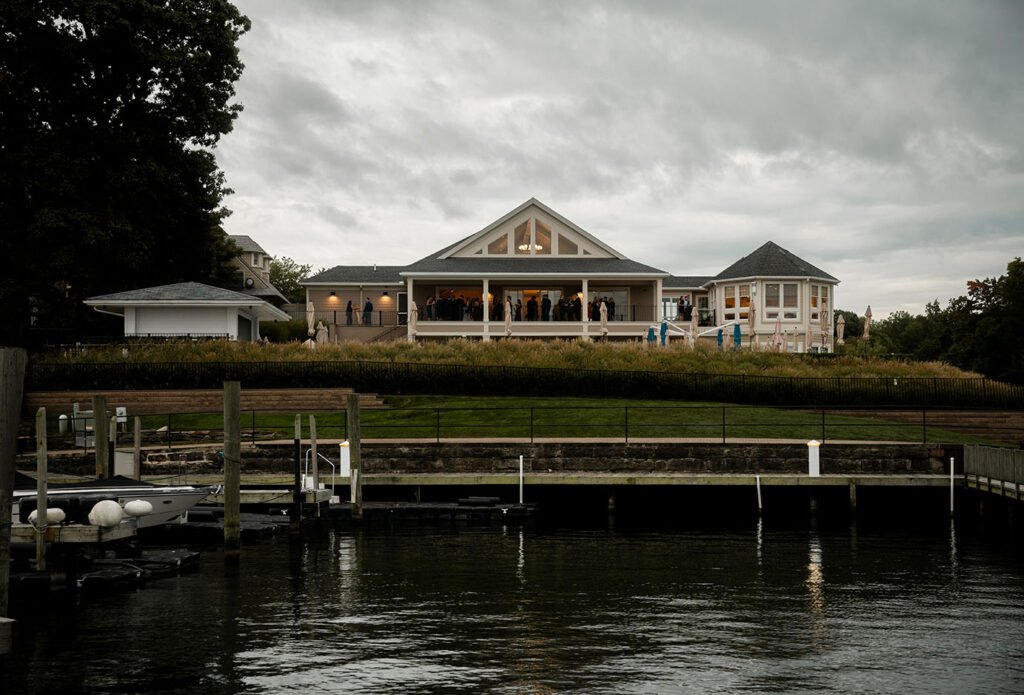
<point>562,354</point>
<point>444,417</point>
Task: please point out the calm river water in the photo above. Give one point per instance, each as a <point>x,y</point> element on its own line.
<point>543,610</point>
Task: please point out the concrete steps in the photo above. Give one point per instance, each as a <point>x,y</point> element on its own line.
<point>152,402</point>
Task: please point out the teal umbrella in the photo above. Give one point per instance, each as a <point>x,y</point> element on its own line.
<point>720,339</point>
<point>736,334</point>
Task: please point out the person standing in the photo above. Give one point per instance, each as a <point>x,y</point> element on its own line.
<point>611,308</point>
<point>367,312</point>
<point>348,313</point>
<point>531,309</point>
<point>545,309</point>
<point>681,308</point>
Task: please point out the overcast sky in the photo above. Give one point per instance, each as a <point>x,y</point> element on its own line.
<point>880,141</point>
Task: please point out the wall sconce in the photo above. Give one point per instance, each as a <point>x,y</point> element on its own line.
<point>332,294</point>
<point>384,293</point>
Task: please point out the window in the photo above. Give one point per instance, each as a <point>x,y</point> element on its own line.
<point>567,247</point>
<point>521,238</point>
<point>498,247</point>
<point>542,247</point>
<point>814,303</point>
<point>744,292</point>
<point>729,293</point>
<point>789,304</point>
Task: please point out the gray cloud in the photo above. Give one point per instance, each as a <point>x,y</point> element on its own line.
<point>684,134</point>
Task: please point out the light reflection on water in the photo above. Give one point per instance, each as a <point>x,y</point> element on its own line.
<point>542,611</point>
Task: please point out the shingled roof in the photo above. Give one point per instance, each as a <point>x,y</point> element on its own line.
<point>772,261</point>
<point>358,275</point>
<point>530,265</point>
<point>246,244</point>
<point>686,282</point>
<point>178,292</point>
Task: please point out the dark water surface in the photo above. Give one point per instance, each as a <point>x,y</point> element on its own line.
<point>545,610</point>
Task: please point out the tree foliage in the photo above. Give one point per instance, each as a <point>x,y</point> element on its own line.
<point>982,331</point>
<point>285,275</point>
<point>107,179</point>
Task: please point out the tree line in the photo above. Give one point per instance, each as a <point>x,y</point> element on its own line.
<point>981,331</point>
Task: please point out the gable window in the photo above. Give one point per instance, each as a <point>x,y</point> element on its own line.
<point>542,237</point>
<point>521,238</point>
<point>729,292</point>
<point>498,247</point>
<point>567,247</point>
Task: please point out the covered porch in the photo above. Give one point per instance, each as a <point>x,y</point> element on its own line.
<point>545,308</point>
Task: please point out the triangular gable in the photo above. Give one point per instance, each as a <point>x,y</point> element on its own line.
<point>531,224</point>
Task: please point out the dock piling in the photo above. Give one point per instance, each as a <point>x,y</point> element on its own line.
<point>42,514</point>
<point>137,450</point>
<point>232,471</point>
<point>312,455</point>
<point>99,434</point>
<point>951,485</point>
<point>12,386</point>
<point>354,436</point>
<point>295,525</point>
<point>757,479</point>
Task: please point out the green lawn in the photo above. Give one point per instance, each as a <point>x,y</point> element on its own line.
<point>498,416</point>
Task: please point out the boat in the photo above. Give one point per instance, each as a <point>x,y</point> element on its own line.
<point>169,502</point>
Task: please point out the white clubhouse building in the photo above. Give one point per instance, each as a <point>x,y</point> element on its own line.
<point>545,264</point>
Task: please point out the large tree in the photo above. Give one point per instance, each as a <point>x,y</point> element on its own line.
<point>108,113</point>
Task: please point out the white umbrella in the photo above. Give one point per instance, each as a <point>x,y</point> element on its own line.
<point>840,329</point>
<point>750,324</point>
<point>310,317</point>
<point>604,318</point>
<point>826,324</point>
<point>796,338</point>
<point>777,338</point>
<point>867,323</point>
<point>508,317</point>
<point>414,315</point>
<point>321,333</point>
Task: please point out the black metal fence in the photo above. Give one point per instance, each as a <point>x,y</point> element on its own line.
<point>410,378</point>
<point>708,424</point>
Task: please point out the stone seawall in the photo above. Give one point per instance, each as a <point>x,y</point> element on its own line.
<point>555,457</point>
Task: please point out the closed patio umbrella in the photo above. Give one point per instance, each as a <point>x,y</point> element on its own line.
<point>508,317</point>
<point>321,333</point>
<point>777,338</point>
<point>867,323</point>
<point>736,335</point>
<point>840,329</point>
<point>826,325</point>
<point>604,318</point>
<point>310,318</point>
<point>750,325</point>
<point>414,316</point>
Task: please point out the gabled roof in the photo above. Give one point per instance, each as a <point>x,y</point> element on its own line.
<point>554,265</point>
<point>246,244</point>
<point>772,261</point>
<point>358,275</point>
<point>187,294</point>
<point>685,282</point>
<point>453,248</point>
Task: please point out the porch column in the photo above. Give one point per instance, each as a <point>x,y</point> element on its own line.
<point>657,302</point>
<point>584,318</point>
<point>408,311</point>
<point>487,312</point>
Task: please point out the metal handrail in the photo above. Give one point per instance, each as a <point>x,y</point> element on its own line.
<point>305,471</point>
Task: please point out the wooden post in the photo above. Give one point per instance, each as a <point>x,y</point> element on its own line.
<point>232,471</point>
<point>313,461</point>
<point>352,415</point>
<point>137,457</point>
<point>99,433</point>
<point>41,507</point>
<point>112,445</point>
<point>853,497</point>
<point>295,527</point>
<point>12,385</point>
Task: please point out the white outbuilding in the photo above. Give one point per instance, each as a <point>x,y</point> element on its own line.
<point>188,310</point>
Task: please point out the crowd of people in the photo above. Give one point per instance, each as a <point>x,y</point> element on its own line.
<point>452,307</point>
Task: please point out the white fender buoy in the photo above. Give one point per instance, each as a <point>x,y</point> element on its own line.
<point>54,515</point>
<point>106,514</point>
<point>138,508</point>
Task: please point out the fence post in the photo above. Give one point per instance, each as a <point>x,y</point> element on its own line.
<point>723,423</point>
<point>437,417</point>
<point>531,425</point>
<point>822,425</point>
<point>924,425</point>
<point>626,408</point>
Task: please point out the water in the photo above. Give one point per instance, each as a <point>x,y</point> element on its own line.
<point>474,610</point>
